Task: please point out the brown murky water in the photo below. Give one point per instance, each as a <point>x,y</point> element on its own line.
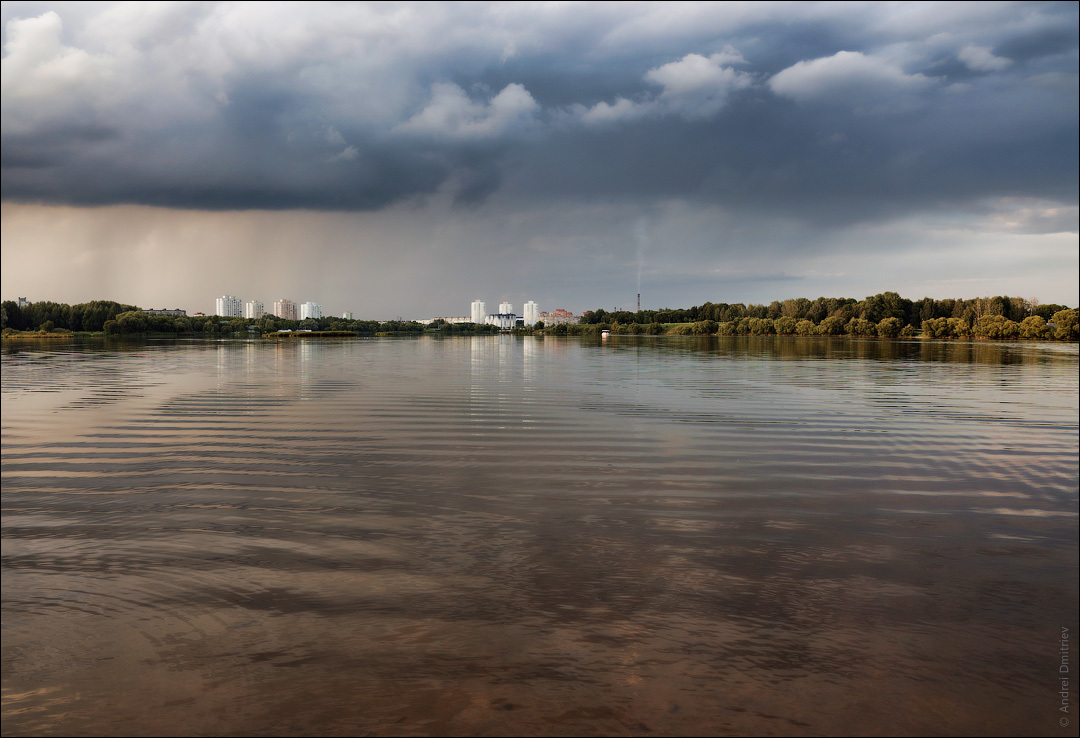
<point>538,537</point>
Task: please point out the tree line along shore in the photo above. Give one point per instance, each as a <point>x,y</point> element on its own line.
<point>885,315</point>
<point>105,317</point>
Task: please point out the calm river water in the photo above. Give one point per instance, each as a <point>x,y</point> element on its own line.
<point>499,535</point>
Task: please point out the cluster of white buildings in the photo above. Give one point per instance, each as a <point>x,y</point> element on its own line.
<point>507,318</point>
<point>230,306</point>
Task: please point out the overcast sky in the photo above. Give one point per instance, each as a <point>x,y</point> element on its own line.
<point>404,159</point>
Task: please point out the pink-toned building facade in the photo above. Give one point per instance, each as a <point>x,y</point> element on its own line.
<point>559,316</point>
<point>285,309</point>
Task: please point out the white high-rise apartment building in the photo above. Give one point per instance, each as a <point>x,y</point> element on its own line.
<point>532,313</point>
<point>285,309</point>
<point>506,308</point>
<point>503,320</point>
<point>347,315</point>
<point>254,309</point>
<point>479,311</point>
<point>310,310</point>
<point>229,307</point>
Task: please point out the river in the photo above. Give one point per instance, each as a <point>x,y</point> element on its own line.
<point>538,536</point>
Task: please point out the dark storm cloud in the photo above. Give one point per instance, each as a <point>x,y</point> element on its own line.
<point>821,113</point>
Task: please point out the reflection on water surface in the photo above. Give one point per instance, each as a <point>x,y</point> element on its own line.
<point>537,536</point>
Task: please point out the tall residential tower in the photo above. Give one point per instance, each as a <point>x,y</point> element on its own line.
<point>531,313</point>
<point>285,309</point>
<point>479,311</point>
<point>228,306</point>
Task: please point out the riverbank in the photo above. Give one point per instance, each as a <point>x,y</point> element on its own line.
<point>38,336</point>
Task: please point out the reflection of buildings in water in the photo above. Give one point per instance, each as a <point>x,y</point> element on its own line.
<point>305,364</point>
<point>251,356</point>
<point>555,346</point>
<point>505,357</point>
<point>477,345</point>
<point>491,356</point>
<point>496,387</point>
<point>294,363</point>
<point>530,355</point>
<point>230,361</point>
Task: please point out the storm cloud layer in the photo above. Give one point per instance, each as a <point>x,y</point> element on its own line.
<point>780,117</point>
<point>353,107</point>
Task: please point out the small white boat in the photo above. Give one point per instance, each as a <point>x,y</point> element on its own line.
<point>605,334</point>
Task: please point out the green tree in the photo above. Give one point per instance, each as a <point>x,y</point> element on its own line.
<point>831,326</point>
<point>1033,327</point>
<point>1047,311</point>
<point>761,326</point>
<point>1065,324</point>
<point>889,327</point>
<point>133,321</point>
<point>958,327</point>
<point>990,326</point>
<point>860,327</point>
<point>785,325</point>
<point>935,327</point>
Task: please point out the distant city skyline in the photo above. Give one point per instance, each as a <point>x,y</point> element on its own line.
<point>399,159</point>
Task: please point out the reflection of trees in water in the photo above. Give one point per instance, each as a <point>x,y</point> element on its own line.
<point>957,351</point>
